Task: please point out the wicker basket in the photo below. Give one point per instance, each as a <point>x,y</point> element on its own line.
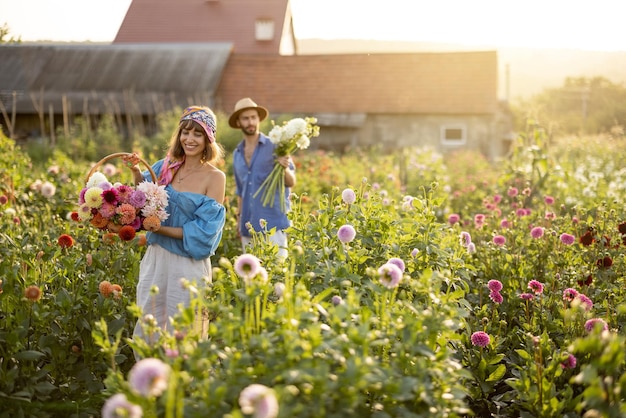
<point>117,155</point>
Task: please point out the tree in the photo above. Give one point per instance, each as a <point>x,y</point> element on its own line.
<point>581,106</point>
<point>5,35</point>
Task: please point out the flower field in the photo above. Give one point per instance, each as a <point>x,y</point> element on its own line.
<point>418,285</point>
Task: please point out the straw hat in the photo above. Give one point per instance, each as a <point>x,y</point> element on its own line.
<point>245,104</point>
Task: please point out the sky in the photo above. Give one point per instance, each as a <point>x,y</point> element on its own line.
<point>573,24</point>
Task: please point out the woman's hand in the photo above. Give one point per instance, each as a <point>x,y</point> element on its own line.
<point>131,160</point>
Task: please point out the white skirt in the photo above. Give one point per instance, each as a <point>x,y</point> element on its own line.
<point>164,270</point>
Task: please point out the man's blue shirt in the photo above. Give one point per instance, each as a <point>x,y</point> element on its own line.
<point>248,179</point>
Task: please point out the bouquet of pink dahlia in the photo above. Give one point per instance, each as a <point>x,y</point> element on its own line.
<point>289,137</point>
<point>113,207</point>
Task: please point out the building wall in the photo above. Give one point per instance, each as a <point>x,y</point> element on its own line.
<point>390,132</point>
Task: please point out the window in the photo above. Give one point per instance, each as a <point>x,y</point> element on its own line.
<point>264,29</point>
<point>453,135</point>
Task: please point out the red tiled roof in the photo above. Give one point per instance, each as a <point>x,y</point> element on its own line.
<point>233,21</point>
<point>409,83</point>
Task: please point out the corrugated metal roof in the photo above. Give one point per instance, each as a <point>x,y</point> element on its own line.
<point>144,78</point>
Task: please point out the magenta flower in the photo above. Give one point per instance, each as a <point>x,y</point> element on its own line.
<point>536,232</point>
<point>504,224</point>
<point>512,192</point>
<point>497,198</point>
<point>346,233</point>
<point>570,294</point>
<point>567,239</point>
<point>453,218</point>
<point>569,363</point>
<point>390,275</point>
<point>398,262</point>
<point>593,323</point>
<point>110,196</point>
<point>480,339</point>
<point>536,287</point>
<point>496,297</point>
<point>247,266</point>
<point>348,196</point>
<point>149,377</point>
<point>494,285</point>
<point>499,240</point>
<point>527,296</point>
<point>119,406</point>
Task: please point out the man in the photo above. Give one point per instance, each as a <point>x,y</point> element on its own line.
<point>253,161</point>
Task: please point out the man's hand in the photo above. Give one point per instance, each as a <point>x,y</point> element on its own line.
<point>285,160</point>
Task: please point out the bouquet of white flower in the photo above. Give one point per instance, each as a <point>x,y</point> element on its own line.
<point>289,137</point>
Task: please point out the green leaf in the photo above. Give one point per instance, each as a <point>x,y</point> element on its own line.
<point>497,374</point>
<point>523,354</point>
<point>30,355</point>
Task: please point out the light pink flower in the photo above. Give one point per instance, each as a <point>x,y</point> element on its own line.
<point>149,377</point>
<point>398,262</point>
<point>390,275</point>
<point>466,239</point>
<point>596,323</point>
<point>247,266</point>
<point>48,189</point>
<point>346,233</point>
<point>118,406</point>
<point>348,195</point>
<point>258,400</point>
<point>585,301</point>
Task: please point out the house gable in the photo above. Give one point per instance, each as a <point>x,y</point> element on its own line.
<point>252,26</point>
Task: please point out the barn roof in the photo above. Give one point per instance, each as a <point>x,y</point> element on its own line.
<point>130,77</point>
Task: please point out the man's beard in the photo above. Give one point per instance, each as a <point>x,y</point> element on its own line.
<point>249,130</point>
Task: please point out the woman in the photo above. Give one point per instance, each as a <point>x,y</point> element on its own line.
<point>182,246</point>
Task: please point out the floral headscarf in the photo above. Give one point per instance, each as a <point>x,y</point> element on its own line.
<point>203,117</point>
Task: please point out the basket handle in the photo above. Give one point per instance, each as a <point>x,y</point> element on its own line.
<point>117,155</point>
